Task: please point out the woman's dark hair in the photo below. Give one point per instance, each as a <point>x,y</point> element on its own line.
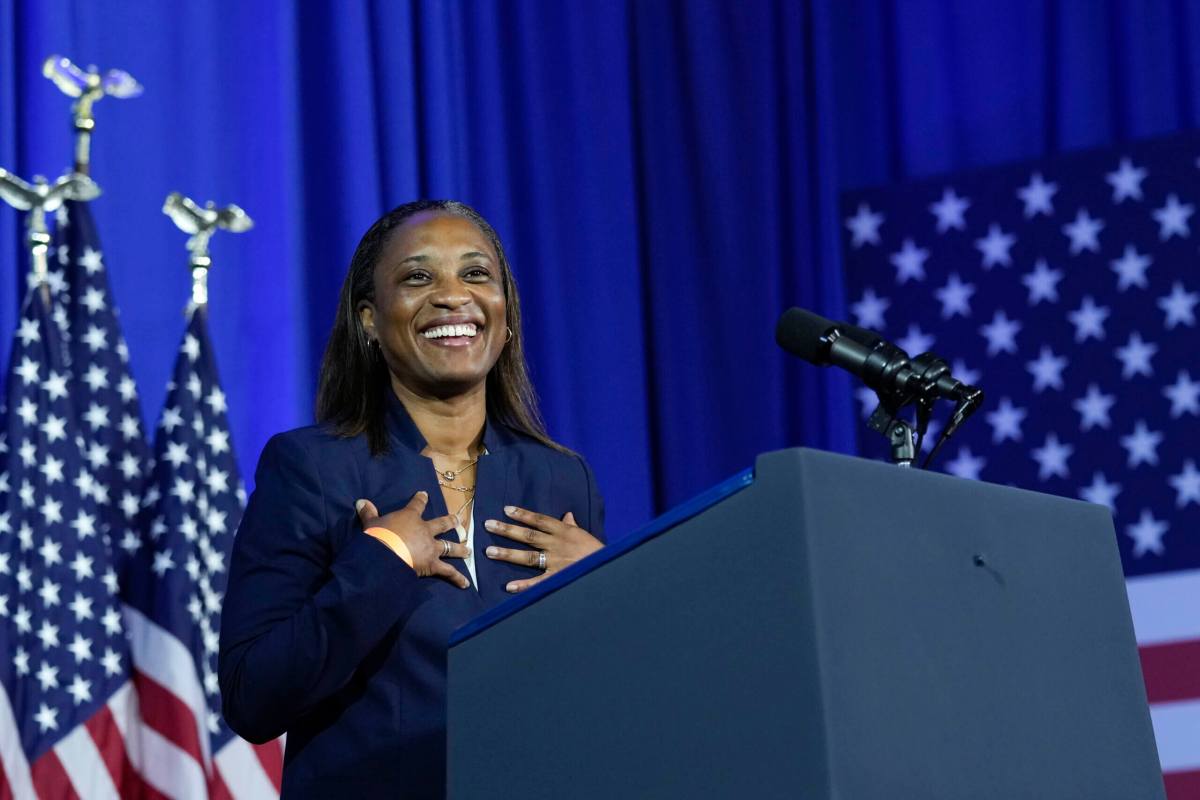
<point>354,377</point>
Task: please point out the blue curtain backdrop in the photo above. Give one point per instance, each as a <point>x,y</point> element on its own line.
<point>664,174</point>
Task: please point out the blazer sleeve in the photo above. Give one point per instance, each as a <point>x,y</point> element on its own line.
<point>595,513</point>
<point>302,609</point>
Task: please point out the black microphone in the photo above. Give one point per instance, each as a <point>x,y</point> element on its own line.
<point>883,367</point>
<point>933,370</point>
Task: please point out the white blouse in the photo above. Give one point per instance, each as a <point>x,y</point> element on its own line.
<point>463,535</point>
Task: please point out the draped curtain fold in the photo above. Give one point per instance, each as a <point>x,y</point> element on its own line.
<point>664,175</point>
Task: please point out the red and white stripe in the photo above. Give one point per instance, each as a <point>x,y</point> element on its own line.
<point>98,759</point>
<point>15,779</point>
<point>250,770</point>
<point>116,754</point>
<point>1166,618</point>
<point>173,711</point>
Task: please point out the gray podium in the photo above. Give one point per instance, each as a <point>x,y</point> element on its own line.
<point>825,627</point>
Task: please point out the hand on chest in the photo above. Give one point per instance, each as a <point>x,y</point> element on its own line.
<point>474,494</point>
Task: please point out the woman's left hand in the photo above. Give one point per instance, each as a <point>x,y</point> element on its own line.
<point>562,541</point>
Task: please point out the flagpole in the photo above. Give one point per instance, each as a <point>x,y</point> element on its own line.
<point>39,245</point>
<point>37,198</point>
<point>87,87</point>
<point>202,222</point>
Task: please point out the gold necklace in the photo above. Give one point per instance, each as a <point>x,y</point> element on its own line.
<point>457,518</point>
<point>452,474</point>
<point>469,491</point>
<point>444,478</point>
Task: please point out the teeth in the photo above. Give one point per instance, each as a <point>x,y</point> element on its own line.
<point>442,331</point>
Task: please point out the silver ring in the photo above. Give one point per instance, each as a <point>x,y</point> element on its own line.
<point>541,559</point>
<point>445,547</point>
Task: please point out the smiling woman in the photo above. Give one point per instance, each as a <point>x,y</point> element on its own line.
<point>438,313</point>
<point>383,265</point>
<point>342,593</point>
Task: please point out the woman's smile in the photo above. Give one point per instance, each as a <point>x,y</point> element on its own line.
<point>452,331</point>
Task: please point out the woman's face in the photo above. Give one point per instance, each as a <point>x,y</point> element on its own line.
<point>439,309</point>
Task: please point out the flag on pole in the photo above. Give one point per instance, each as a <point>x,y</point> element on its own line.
<point>176,584</point>
<point>66,705</point>
<point>1068,289</point>
<point>115,444</point>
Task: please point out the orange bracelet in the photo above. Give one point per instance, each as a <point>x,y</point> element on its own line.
<point>393,542</point>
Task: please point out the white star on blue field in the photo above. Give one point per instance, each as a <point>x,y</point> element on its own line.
<point>1069,288</point>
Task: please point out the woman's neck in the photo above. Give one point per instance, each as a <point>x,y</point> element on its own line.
<point>451,426</point>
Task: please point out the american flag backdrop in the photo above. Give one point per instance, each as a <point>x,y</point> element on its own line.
<point>112,569</point>
<point>66,705</point>
<point>110,415</point>
<point>175,587</point>
<point>1069,290</point>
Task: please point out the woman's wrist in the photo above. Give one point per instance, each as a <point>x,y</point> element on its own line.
<point>393,542</point>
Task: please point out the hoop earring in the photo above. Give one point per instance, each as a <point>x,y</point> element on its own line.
<point>508,337</point>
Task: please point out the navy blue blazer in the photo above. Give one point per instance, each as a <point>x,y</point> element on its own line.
<point>328,635</point>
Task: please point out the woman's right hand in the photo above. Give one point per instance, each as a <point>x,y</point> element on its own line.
<point>419,536</point>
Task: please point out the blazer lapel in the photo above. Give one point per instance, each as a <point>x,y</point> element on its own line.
<point>491,495</point>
